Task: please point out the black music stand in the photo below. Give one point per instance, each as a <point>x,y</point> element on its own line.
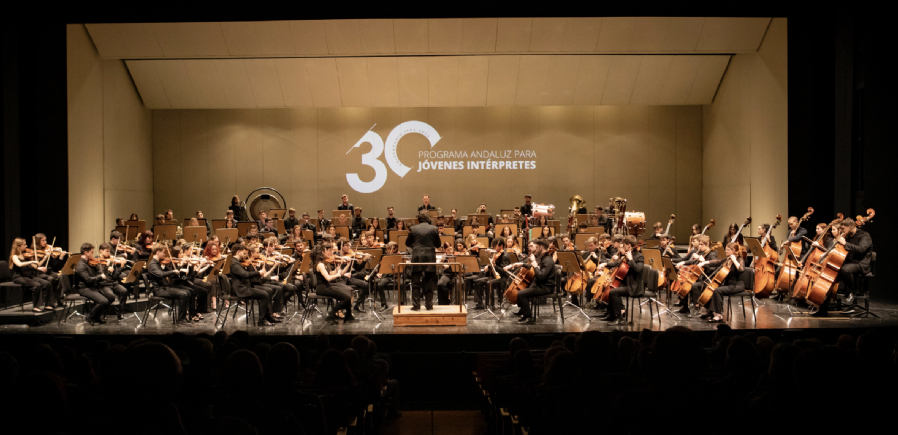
<point>166,232</point>
<point>753,245</point>
<point>485,259</point>
<point>572,263</point>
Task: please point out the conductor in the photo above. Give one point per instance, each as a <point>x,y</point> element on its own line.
<point>424,239</point>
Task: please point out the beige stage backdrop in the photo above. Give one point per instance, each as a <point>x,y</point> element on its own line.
<point>650,155</point>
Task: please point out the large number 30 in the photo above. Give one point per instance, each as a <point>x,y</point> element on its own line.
<point>377,148</point>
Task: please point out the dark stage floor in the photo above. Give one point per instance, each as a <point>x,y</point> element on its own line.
<point>770,314</point>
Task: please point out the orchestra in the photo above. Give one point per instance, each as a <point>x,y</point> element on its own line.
<point>611,266</point>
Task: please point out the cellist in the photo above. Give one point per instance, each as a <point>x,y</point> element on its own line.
<point>543,278</point>
<point>498,284</point>
<point>632,282</point>
<point>730,285</point>
<point>703,258</point>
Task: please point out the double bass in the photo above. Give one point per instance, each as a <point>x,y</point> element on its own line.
<point>736,239</point>
<point>765,268</point>
<point>808,275</point>
<point>795,246</point>
<point>829,267</point>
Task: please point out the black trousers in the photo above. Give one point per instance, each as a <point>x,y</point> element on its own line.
<point>615,299</point>
<point>274,294</point>
<point>444,289</point>
<point>425,282</point>
<point>363,295</point>
<point>483,285</point>
<point>182,294</point>
<point>201,290</point>
<point>846,277</point>
<point>55,287</point>
<point>102,296</point>
<point>525,296</point>
<point>339,291</point>
<point>264,299</point>
<point>716,302</point>
<point>42,294</point>
<point>121,292</point>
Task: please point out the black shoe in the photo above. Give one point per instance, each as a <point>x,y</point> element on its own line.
<point>479,306</point>
<point>821,314</point>
<point>264,323</point>
<point>349,318</point>
<point>416,308</point>
<point>525,318</point>
<point>518,313</point>
<point>530,321</point>
<point>359,309</point>
<point>184,320</point>
<point>610,319</point>
<point>620,321</point>
<point>684,310</point>
<point>272,319</point>
<point>383,307</point>
<point>430,308</point>
<point>706,316</point>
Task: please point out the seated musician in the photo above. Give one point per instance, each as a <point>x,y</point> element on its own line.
<point>373,228</point>
<point>367,241</point>
<point>355,274</point>
<point>145,246</point>
<point>426,205</point>
<point>200,215</point>
<point>164,284</point>
<point>385,280</point>
<point>229,217</point>
<point>358,223</point>
<point>331,231</point>
<point>632,283</point>
<point>192,278</point>
<point>545,232</point>
<point>762,233</point>
<point>566,243</point>
<point>506,232</point>
<point>212,253</point>
<point>703,255</point>
<point>732,233</point>
<point>401,225</point>
<point>730,285</point>
<point>797,233</point>
<point>458,223</point>
<point>657,231</point>
<point>52,264</point>
<point>860,253</point>
<point>270,226</point>
<point>264,280</point>
<point>592,253</point>
<point>306,223</point>
<point>323,222</point>
<point>667,248</point>
<point>279,275</point>
<point>292,221</point>
<point>115,272</point>
<point>489,280</point>
<point>170,217</point>
<point>391,220</point>
<point>119,249</point>
<point>263,217</point>
<point>696,229</point>
<point>543,280</point>
<point>241,282</point>
<point>602,220</point>
<point>27,272</point>
<point>342,221</point>
<point>328,273</point>
<point>160,219</point>
<point>93,284</point>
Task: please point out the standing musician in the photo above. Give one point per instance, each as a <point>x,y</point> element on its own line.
<point>115,270</point>
<point>632,283</point>
<point>391,220</point>
<point>426,205</point>
<point>543,279</point>
<point>423,239</point>
<point>731,284</point>
<point>345,205</point>
<point>796,232</point>
<point>238,210</point>
<point>358,223</point>
<point>93,284</point>
<point>860,253</point>
<point>327,280</point>
<point>527,208</point>
<point>241,282</point>
<point>704,256</point>
<point>26,272</point>
<point>762,233</point>
<point>292,221</point>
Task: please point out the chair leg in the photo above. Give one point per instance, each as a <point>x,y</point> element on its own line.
<point>561,310</point>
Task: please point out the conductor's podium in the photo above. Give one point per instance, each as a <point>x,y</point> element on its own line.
<point>441,315</point>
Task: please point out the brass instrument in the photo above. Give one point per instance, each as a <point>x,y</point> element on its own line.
<point>576,203</point>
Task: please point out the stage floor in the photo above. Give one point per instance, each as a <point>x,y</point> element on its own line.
<point>770,315</point>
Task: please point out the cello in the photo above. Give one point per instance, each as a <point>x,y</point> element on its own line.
<point>576,284</point>
<point>765,268</point>
<point>716,280</point>
<point>613,279</point>
<point>519,281</point>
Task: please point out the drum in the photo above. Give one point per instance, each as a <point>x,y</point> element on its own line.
<point>540,210</point>
<point>635,223</point>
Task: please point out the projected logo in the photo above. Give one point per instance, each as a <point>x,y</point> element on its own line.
<point>371,158</point>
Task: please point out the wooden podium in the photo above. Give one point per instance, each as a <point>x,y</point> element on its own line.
<point>440,315</point>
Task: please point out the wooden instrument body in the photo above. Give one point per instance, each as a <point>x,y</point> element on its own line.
<point>603,279</point>
<point>519,281</point>
<point>765,277</point>
<point>716,281</point>
<point>788,275</point>
<point>576,284</point>
<point>827,276</point>
<point>687,276</point>
<point>613,280</point>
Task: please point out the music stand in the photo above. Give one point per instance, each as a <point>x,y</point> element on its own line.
<point>433,213</point>
<point>394,264</point>
<point>128,233</point>
<point>343,232</point>
<point>279,225</point>
<point>448,239</point>
<point>308,235</point>
<point>556,224</point>
<point>652,243</point>
<point>195,234</point>
<point>166,232</point>
<point>483,218</point>
<point>226,234</point>
<point>277,213</point>
<point>572,263</point>
<point>201,222</point>
<point>448,231</point>
<point>263,236</point>
<point>244,227</point>
<point>316,223</point>
<point>141,225</point>
<point>467,263</point>
<point>581,238</point>
<point>400,240</point>
<point>375,254</point>
<point>512,257</point>
<point>291,276</point>
<point>219,223</point>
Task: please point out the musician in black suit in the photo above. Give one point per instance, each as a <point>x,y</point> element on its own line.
<point>527,208</point>
<point>543,279</point>
<point>731,283</point>
<point>603,220</point>
<point>860,253</point>
<point>345,205</point>
<point>163,282</point>
<point>423,239</point>
<point>242,286</point>
<point>632,284</point>
<point>489,280</point>
<point>92,284</point>
<point>292,221</point>
<point>359,223</point>
<point>391,220</point>
<point>426,205</point>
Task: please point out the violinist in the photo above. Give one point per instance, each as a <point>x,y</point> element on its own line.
<point>707,259</point>
<point>511,245</point>
<point>119,248</point>
<point>731,284</point>
<point>93,284</point>
<point>281,265</point>
<point>115,270</point>
<point>506,233</point>
<point>119,222</point>
<point>190,278</point>
<point>292,221</point>
<point>543,279</point>
<point>212,254</point>
<point>474,245</point>
<point>264,280</point>
<point>860,253</point>
<point>366,240</point>
<point>56,261</point>
<point>632,283</point>
<point>567,244</point>
<point>229,219</point>
<point>328,271</point>
<point>242,275</point>
<point>355,275</point>
<point>391,220</point>
<point>26,270</point>
<point>145,246</point>
<point>358,223</point>
<point>500,260</point>
<point>796,232</point>
<point>373,228</point>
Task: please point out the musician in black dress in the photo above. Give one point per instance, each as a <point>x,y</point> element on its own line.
<point>242,285</point>
<point>543,279</point>
<point>731,284</point>
<point>327,280</point>
<point>26,273</point>
<point>632,283</point>
<point>423,240</point>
